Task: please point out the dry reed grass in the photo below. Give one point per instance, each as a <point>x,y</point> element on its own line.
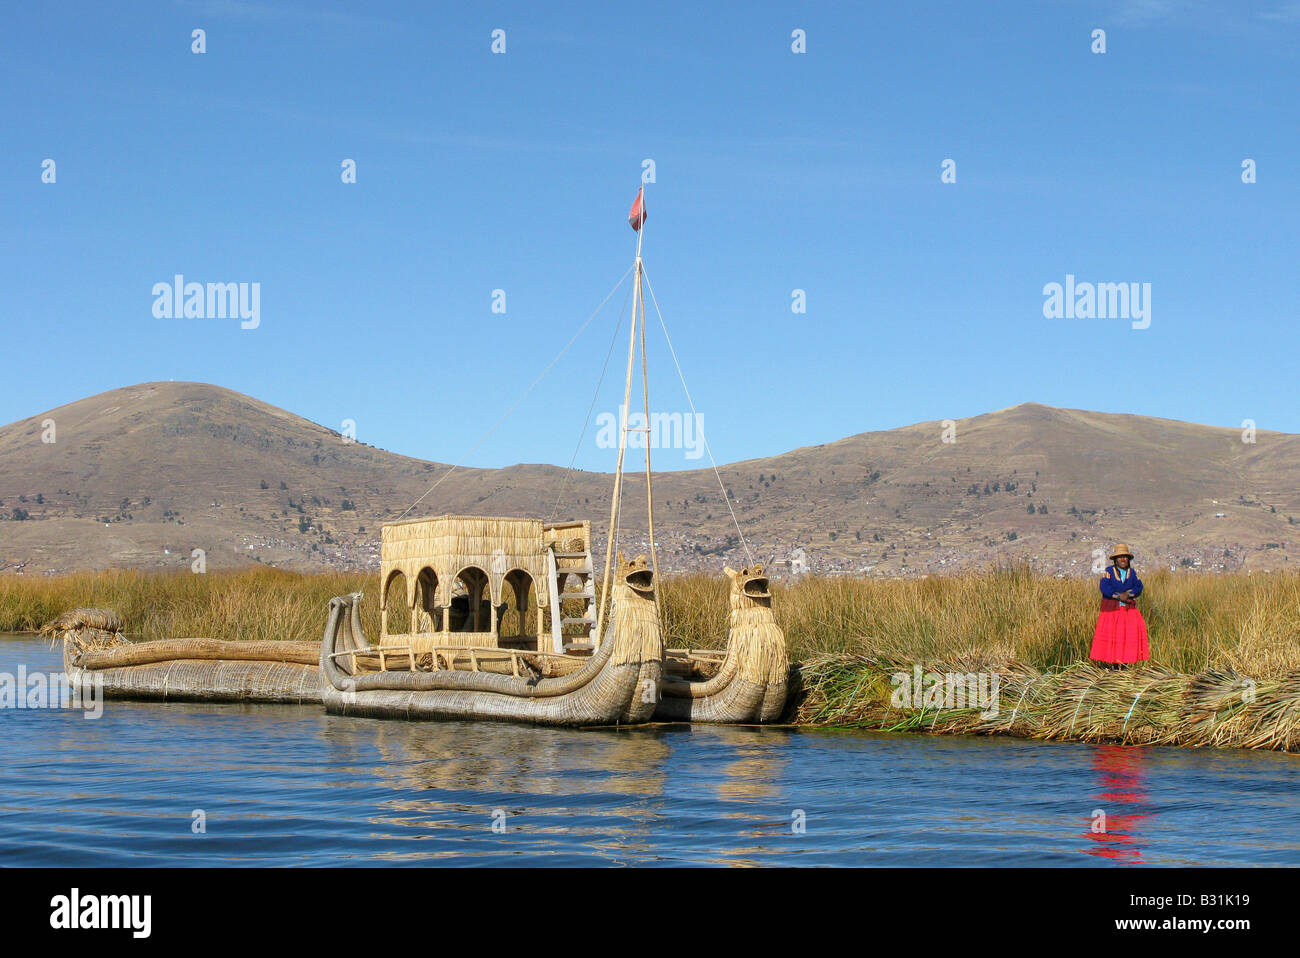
<point>1246,624</point>
<point>1249,624</point>
<point>258,604</point>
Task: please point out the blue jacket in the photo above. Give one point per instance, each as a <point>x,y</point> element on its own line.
<point>1112,586</point>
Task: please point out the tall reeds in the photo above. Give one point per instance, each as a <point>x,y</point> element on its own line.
<point>1248,624</point>
<point>257,604</point>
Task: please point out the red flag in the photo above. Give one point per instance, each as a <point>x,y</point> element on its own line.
<point>636,216</point>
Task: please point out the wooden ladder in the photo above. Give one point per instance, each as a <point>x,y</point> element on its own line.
<point>586,640</point>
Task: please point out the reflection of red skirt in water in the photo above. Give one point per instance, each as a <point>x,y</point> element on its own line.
<point>1121,636</point>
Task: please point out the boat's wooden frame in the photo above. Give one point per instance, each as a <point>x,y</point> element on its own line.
<point>745,684</point>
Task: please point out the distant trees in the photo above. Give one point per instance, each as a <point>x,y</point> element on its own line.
<point>20,514</point>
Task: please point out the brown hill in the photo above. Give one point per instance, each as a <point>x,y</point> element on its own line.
<point>141,476</point>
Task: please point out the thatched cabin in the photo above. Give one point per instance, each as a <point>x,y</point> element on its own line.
<point>487,582</point>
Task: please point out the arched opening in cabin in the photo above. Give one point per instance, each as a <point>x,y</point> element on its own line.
<point>471,602</point>
<point>428,617</point>
<point>395,612</point>
<point>518,620</point>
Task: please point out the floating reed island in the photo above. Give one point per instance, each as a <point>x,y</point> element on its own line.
<point>1006,652</point>
<point>1153,705</point>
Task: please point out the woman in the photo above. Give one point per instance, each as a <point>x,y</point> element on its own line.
<point>1121,634</point>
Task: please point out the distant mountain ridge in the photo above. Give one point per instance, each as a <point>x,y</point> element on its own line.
<point>143,475</point>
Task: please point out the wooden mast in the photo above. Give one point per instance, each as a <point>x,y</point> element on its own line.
<point>649,489</point>
<point>638,317</point>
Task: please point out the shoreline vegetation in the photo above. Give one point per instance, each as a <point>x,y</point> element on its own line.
<point>1225,649</point>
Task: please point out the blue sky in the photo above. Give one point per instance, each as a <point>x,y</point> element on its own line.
<point>775,171</point>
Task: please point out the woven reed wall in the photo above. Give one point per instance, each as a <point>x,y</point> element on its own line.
<point>424,641</point>
<point>450,544</point>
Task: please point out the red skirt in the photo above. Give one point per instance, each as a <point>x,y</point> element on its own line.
<point>1121,636</point>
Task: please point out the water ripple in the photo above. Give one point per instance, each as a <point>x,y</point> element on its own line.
<point>289,785</point>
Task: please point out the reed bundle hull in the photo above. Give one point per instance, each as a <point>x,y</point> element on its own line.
<point>95,656</point>
<point>191,680</point>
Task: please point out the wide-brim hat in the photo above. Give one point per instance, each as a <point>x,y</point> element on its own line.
<point>1121,550</point>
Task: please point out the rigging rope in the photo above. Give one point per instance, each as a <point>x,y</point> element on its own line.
<point>520,400</point>
<point>613,341</point>
<point>721,485</point>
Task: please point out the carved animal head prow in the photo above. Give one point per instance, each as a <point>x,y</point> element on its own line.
<point>637,574</point>
<point>749,582</point>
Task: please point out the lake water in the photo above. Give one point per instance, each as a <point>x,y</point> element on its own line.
<point>289,785</point>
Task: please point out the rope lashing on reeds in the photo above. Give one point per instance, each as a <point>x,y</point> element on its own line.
<point>1129,714</point>
<point>1082,696</point>
<point>1023,693</point>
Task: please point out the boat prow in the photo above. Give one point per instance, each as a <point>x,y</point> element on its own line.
<point>749,684</point>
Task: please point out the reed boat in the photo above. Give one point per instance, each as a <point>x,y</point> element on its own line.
<point>480,617</point>
<point>445,651</point>
<point>96,654</point>
<point>446,674</point>
<point>747,682</point>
